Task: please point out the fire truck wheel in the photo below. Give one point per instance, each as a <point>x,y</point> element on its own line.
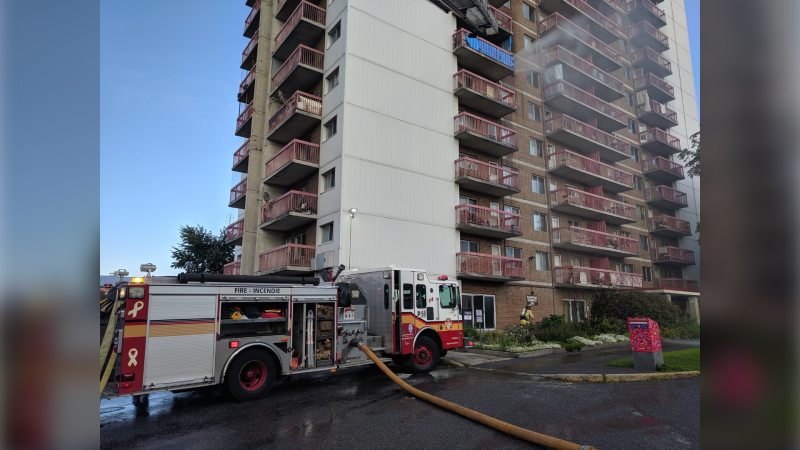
<point>251,375</point>
<point>401,360</point>
<point>425,355</point>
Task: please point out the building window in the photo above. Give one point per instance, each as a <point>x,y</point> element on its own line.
<point>639,212</point>
<point>330,129</point>
<point>623,46</point>
<point>532,78</point>
<point>328,180</point>
<point>647,274</point>
<point>484,303</point>
<point>626,72</point>
<point>576,261</point>
<point>628,98</point>
<point>463,200</point>
<point>511,209</point>
<point>326,233</point>
<point>299,239</point>
<point>537,184</point>
<point>539,222</point>
<point>332,80</point>
<point>334,34</point>
<point>537,147</point>
<point>513,252</point>
<point>643,243</point>
<point>469,246</point>
<point>635,154</point>
<point>542,260</point>
<point>554,221</point>
<point>534,112</point>
<point>551,149</point>
<point>628,268</point>
<point>553,185</point>
<point>528,12</point>
<point>557,260</point>
<point>574,310</point>
<point>574,223</point>
<point>621,21</point>
<point>529,43</point>
<point>632,128</point>
<point>506,44</point>
<point>637,183</point>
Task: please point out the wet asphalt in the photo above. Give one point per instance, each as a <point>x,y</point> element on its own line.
<point>360,408</point>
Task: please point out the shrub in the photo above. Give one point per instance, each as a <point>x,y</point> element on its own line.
<point>520,335</point>
<point>686,329</point>
<point>610,304</point>
<point>584,341</point>
<point>553,320</point>
<point>471,332</point>
<point>572,346</point>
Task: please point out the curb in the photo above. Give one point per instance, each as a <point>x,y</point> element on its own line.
<point>549,351</point>
<point>448,362</point>
<point>619,378</point>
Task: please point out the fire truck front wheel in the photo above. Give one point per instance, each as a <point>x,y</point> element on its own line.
<point>251,375</point>
<point>425,356</point>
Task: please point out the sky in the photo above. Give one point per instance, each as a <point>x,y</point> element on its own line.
<point>169,76</point>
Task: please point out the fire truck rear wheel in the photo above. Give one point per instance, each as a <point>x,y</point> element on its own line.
<point>251,375</point>
<point>425,356</point>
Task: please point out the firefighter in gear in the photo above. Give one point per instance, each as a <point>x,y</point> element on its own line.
<point>526,318</point>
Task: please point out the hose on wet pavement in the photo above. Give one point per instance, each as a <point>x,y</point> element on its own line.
<point>503,427</point>
<point>105,346</point>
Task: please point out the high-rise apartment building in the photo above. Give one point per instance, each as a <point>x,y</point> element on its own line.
<point>534,164</point>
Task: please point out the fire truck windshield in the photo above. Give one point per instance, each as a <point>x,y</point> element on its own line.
<point>448,297</point>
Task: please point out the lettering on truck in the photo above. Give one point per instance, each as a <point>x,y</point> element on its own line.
<point>244,290</point>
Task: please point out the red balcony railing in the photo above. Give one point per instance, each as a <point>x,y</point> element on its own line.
<point>503,19</point>
<point>581,96</point>
<point>489,264</point>
<point>292,201</point>
<point>468,167</point>
<point>235,229</point>
<point>252,15</point>
<point>586,275</point>
<point>299,101</point>
<point>487,217</point>
<point>669,223</point>
<point>666,193</point>
<point>671,254</point>
<point>562,122</point>
<point>251,76</point>
<point>483,46</point>
<point>250,46</point>
<point>244,116</point>
<point>580,162</point>
<point>633,4</point>
<point>241,153</point>
<point>557,20</point>
<point>302,55</point>
<point>289,255</point>
<point>232,268</point>
<point>595,15</point>
<point>649,79</point>
<point>645,27</point>
<point>657,108</point>
<point>657,134</point>
<point>304,10</point>
<point>585,236</point>
<point>491,130</point>
<point>469,80</point>
<point>659,163</point>
<point>575,197</point>
<point>238,190</point>
<point>297,149</point>
<point>649,53</point>
<point>559,53</point>
<point>676,283</point>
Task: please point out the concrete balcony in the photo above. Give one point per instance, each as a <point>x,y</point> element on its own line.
<point>482,267</point>
<point>295,162</point>
<point>591,241</point>
<point>584,15</point>
<point>251,23</point>
<point>645,35</point>
<point>662,169</point>
<point>238,194</point>
<point>247,87</point>
<point>232,268</point>
<point>285,8</point>
<point>590,206</point>
<point>657,89</point>
<point>241,158</point>
<point>677,284</point>
<point>672,256</point>
<point>665,197</point>
<point>489,179</point>
<point>300,72</point>
<point>482,95</point>
<point>650,61</point>
<point>245,121</point>
<point>482,221</point>
<point>305,26</point>
<point>669,226</point>
<point>589,278</point>
<point>301,113</point>
<point>656,115</point>
<point>504,22</point>
<point>606,7</point>
<point>589,171</point>
<point>584,106</point>
<point>485,136</point>
<point>289,259</point>
<point>645,10</point>
<point>586,139</point>
<point>250,53</point>
<point>235,232</point>
<point>659,141</point>
<point>289,211</point>
<point>569,35</point>
<point>481,56</point>
<point>583,74</point>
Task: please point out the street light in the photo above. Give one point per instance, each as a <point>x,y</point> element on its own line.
<point>353,212</point>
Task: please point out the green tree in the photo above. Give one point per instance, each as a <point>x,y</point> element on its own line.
<point>692,158</point>
<point>200,251</point>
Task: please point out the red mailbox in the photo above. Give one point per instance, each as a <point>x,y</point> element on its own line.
<point>645,343</point>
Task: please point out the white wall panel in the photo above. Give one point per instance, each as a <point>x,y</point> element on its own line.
<point>417,17</point>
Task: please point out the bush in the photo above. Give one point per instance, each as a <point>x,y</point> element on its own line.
<point>611,304</point>
<point>471,332</point>
<point>520,335</point>
<point>553,320</point>
<point>686,329</point>
<point>572,346</point>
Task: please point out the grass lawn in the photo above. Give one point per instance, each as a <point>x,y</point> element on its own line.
<point>677,361</point>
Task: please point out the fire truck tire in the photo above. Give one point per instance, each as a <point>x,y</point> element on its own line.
<point>251,375</point>
<point>401,360</point>
<point>425,356</point>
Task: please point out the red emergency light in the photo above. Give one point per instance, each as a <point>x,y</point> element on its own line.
<point>233,344</point>
<point>442,278</point>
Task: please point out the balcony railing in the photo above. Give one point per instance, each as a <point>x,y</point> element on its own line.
<point>668,223</point>
<point>657,134</point>
<point>580,198</point>
<point>235,230</point>
<point>469,80</point>
<point>290,202</point>
<point>244,116</point>
<point>577,275</point>
<point>646,28</point>
<point>503,19</point>
<point>487,217</point>
<point>468,167</point>
<point>252,15</point>
<point>289,255</point>
<point>485,128</point>
<point>657,108</point>
<point>304,10</point>
<point>646,4</point>
<point>676,283</point>
<point>239,190</point>
<point>672,254</point>
<point>580,162</point>
<point>649,53</point>
<point>579,95</point>
<point>250,46</point>
<point>562,122</point>
<point>659,163</point>
<point>232,268</point>
<point>241,153</point>
<point>482,46</point>
<point>302,55</point>
<point>468,262</point>
<point>595,15</point>
<point>585,236</point>
<point>559,53</point>
<point>666,193</point>
<point>251,76</point>
<point>299,101</point>
<point>649,79</point>
<point>297,149</point>
<point>557,20</point>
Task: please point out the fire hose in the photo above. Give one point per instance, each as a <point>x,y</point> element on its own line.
<point>105,345</point>
<point>503,427</point>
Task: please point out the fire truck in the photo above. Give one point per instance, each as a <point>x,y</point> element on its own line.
<point>244,332</point>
